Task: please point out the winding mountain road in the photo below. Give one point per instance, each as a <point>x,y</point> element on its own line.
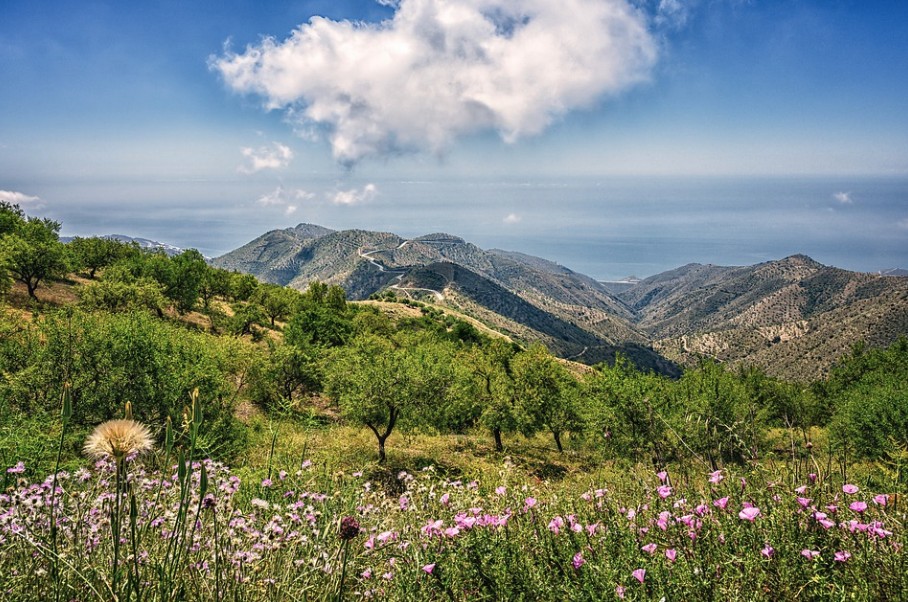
<point>367,255</point>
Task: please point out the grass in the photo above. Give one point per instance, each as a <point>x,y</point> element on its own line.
<point>446,518</point>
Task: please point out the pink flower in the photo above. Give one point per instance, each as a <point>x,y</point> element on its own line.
<point>444,499</point>
<point>367,574</point>
<point>528,503</point>
<point>842,556</point>
<point>809,554</point>
<point>427,569</point>
<point>749,513</point>
<point>881,499</point>
<point>849,488</point>
<point>767,551</point>
<point>649,548</point>
<point>664,491</point>
<point>716,477</point>
<point>556,524</point>
<point>662,476</point>
<point>671,554</point>
<point>858,506</point>
<point>804,501</point>
<point>578,560</point>
<point>501,490</point>
<point>812,477</point>
<point>639,575</point>
<point>619,591</point>
<point>722,502</point>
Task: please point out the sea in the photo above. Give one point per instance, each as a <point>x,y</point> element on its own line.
<point>609,228</point>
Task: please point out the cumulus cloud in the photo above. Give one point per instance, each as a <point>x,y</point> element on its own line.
<point>286,199</point>
<point>511,218</point>
<point>276,156</point>
<point>20,198</point>
<point>440,69</point>
<point>843,197</point>
<point>355,196</point>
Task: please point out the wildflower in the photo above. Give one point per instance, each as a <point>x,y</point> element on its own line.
<point>671,554</point>
<point>767,551</point>
<point>804,501</point>
<point>556,524</point>
<point>639,575</point>
<point>19,468</point>
<point>367,574</point>
<point>721,503</point>
<point>118,439</point>
<point>266,483</point>
<point>349,528</point>
<point>404,502</point>
<point>649,548</point>
<point>812,477</point>
<point>749,514</point>
<point>500,490</point>
<point>849,488</point>
<point>427,569</point>
<point>716,477</point>
<point>858,506</point>
<point>810,554</point>
<point>528,503</point>
<point>578,560</point>
<point>444,499</point>
<point>881,499</point>
<point>842,556</point>
<point>662,476</point>
<point>664,491</point>
<point>619,591</point>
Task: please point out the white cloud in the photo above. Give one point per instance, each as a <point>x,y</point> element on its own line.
<point>24,201</point>
<point>281,197</point>
<point>511,218</point>
<point>355,196</point>
<point>673,13</point>
<point>277,156</point>
<point>843,197</point>
<point>444,68</point>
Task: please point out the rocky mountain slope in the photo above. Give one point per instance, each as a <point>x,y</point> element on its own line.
<point>793,316</point>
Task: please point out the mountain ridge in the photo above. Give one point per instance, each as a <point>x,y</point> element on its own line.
<point>738,314</point>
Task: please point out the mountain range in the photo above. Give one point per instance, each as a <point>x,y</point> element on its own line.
<point>793,316</point>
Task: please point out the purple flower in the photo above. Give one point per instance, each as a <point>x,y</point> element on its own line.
<point>501,490</point>
<point>427,569</point>
<point>881,499</point>
<point>842,556</point>
<point>858,506</point>
<point>749,514</point>
<point>444,499</point>
<point>849,488</point>
<point>722,502</point>
<point>649,548</point>
<point>619,591</point>
<point>19,468</point>
<point>810,554</point>
<point>664,491</point>
<point>716,477</point>
<point>662,475</point>
<point>671,554</point>
<point>767,551</point>
<point>639,575</point>
<point>349,528</point>
<point>578,560</point>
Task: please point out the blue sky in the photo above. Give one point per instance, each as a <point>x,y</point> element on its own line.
<point>178,120</point>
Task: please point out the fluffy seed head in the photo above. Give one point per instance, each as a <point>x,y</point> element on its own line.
<point>118,439</point>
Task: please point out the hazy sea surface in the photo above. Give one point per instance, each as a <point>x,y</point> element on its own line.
<point>607,228</point>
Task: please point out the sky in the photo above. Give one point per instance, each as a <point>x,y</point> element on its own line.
<point>204,124</point>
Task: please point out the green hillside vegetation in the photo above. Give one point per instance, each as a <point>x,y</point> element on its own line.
<point>297,445</point>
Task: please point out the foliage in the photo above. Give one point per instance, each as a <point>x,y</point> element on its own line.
<point>95,253</point>
<point>31,251</point>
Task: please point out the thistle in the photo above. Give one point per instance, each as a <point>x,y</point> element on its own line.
<point>118,439</point>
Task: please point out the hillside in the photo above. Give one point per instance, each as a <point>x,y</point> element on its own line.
<point>528,297</point>
<point>794,316</point>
